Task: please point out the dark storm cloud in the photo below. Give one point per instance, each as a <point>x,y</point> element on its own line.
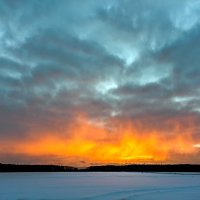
<point>107,58</point>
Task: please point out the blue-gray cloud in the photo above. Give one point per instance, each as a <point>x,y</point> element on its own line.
<point>109,59</point>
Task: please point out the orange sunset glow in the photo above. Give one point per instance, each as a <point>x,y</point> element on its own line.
<point>118,143</point>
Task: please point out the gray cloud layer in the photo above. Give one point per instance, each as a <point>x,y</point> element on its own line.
<point>109,59</point>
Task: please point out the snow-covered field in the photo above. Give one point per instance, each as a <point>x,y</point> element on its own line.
<point>99,186</point>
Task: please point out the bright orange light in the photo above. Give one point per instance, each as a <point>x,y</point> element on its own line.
<point>119,142</point>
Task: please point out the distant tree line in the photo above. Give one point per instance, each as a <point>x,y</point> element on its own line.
<point>145,168</point>
<point>35,168</point>
<point>104,168</point>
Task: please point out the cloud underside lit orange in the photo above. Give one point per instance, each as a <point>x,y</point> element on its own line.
<point>87,142</point>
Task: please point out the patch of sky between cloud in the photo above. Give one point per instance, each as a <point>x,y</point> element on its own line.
<point>105,86</point>
<point>11,74</point>
<point>196,110</point>
<point>186,18</point>
<point>152,74</point>
<point>2,32</point>
<point>126,52</point>
<point>61,86</point>
<point>182,99</point>
<point>115,113</point>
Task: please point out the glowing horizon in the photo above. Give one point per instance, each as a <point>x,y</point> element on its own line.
<point>85,143</point>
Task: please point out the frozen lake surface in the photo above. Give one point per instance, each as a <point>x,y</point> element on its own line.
<point>99,186</point>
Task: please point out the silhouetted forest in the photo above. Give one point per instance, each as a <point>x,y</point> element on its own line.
<point>104,168</point>
<point>35,168</point>
<point>145,168</point>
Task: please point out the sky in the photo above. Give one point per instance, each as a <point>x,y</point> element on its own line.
<point>86,82</point>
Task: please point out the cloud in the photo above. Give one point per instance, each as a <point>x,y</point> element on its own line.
<point>108,59</point>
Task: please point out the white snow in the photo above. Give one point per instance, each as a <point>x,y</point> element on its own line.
<point>99,186</point>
